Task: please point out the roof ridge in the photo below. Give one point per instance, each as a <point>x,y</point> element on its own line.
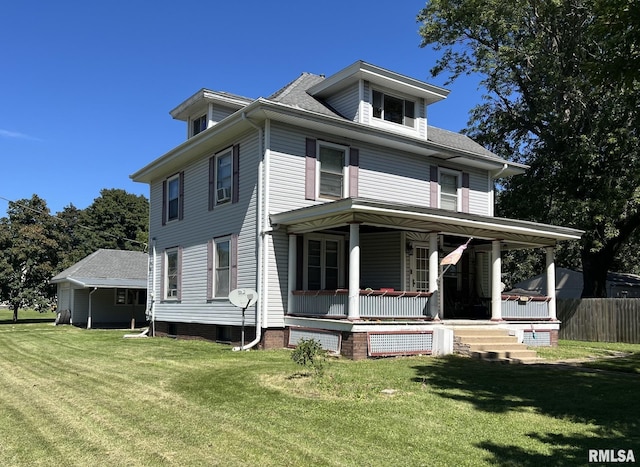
<point>286,89</point>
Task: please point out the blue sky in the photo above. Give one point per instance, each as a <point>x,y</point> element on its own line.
<point>86,87</point>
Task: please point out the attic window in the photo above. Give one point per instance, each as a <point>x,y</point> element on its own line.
<point>198,125</point>
<point>394,109</point>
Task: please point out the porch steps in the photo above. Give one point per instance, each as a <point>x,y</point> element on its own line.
<point>492,344</point>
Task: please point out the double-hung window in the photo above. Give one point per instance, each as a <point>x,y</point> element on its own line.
<point>173,198</point>
<point>450,190</point>
<point>222,275</point>
<point>332,162</point>
<point>394,109</point>
<point>324,263</point>
<point>172,274</point>
<point>224,176</point>
<point>198,125</point>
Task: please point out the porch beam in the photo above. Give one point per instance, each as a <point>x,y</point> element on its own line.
<point>551,282</point>
<point>353,306</point>
<point>291,275</point>
<point>496,281</point>
<point>433,274</point>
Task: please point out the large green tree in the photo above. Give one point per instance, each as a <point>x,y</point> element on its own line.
<point>116,219</point>
<point>28,255</point>
<point>562,97</point>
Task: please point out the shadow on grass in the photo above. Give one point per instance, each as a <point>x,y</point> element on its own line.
<point>28,320</point>
<point>605,402</point>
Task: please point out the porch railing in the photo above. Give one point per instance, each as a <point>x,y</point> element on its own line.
<point>522,307</point>
<point>379,304</point>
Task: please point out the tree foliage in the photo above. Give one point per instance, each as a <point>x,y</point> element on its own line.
<point>562,98</point>
<point>28,255</point>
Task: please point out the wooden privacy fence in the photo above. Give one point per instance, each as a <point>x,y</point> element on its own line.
<point>600,319</point>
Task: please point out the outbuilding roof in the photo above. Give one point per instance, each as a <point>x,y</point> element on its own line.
<point>106,268</point>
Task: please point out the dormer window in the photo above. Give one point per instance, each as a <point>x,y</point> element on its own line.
<point>394,109</point>
<point>198,125</point>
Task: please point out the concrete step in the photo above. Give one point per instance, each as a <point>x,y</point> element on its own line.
<point>469,332</point>
<point>489,339</point>
<point>495,345</point>
<point>504,353</point>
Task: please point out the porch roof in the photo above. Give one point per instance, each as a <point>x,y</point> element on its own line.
<point>331,215</point>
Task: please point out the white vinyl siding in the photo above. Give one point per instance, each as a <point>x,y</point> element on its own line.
<point>198,227</point>
<point>346,102</point>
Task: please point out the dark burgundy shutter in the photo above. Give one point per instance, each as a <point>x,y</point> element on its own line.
<point>163,272</point>
<point>465,192</point>
<point>235,196</point>
<point>181,199</point>
<point>354,168</point>
<point>164,202</point>
<point>179,273</point>
<point>310,170</point>
<point>433,185</point>
<point>209,269</point>
<point>212,183</point>
<point>234,262</point>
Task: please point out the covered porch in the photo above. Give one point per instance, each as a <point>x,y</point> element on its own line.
<point>358,263</point>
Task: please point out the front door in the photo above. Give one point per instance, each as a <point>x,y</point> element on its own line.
<point>420,268</point>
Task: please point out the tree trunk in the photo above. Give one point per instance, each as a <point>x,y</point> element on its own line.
<point>15,313</point>
<point>594,272</point>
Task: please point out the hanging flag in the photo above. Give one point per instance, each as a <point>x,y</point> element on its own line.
<point>453,257</point>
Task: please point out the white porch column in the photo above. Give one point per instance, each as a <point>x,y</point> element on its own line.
<point>551,282</point>
<point>433,275</point>
<point>293,260</point>
<point>496,281</point>
<point>353,306</point>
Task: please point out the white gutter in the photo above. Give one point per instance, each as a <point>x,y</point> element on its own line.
<point>260,240</point>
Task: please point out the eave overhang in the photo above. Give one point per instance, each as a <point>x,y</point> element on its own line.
<point>391,80</point>
<point>202,98</point>
<point>513,233</point>
<point>245,119</point>
<point>103,283</point>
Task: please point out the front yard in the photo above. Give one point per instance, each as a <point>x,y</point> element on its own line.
<point>77,397</point>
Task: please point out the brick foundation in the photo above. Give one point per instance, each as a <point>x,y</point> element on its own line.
<point>354,345</point>
<point>274,338</point>
<point>553,337</point>
<point>211,332</point>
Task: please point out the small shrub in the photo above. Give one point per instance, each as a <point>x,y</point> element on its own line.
<point>309,352</point>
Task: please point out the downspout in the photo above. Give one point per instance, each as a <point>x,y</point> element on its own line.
<point>89,317</point>
<point>260,246</point>
<point>152,270</point>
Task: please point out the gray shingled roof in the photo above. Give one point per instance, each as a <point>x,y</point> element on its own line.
<point>108,268</point>
<point>295,94</point>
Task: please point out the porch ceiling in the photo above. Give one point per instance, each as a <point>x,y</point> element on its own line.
<point>421,219</point>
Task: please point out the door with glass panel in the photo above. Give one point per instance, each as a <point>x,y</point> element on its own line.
<point>420,268</point>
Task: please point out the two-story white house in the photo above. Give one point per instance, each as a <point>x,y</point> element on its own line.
<point>336,201</point>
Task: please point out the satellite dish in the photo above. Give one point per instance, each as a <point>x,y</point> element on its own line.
<point>243,298</point>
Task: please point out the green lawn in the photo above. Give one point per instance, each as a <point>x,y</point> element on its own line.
<point>77,397</point>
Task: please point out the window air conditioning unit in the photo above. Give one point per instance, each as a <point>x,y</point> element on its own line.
<point>224,194</point>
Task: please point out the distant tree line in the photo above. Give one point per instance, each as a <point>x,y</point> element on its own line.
<point>35,245</point>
